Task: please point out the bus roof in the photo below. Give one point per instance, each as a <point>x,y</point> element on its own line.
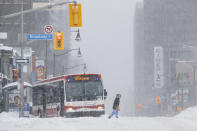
<point>14,84</point>
<point>58,78</point>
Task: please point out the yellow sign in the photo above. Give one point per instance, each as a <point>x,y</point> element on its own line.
<point>81,78</point>
<point>15,75</point>
<point>59,41</point>
<point>178,108</point>
<point>158,99</point>
<point>139,106</point>
<point>75,15</point>
<point>40,73</point>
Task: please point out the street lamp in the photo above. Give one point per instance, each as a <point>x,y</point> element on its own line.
<point>68,51</point>
<point>84,67</point>
<point>78,38</point>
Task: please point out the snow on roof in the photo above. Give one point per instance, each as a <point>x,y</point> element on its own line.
<point>2,47</point>
<point>3,76</point>
<point>16,84</point>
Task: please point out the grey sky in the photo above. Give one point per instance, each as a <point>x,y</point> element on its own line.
<point>107,45</point>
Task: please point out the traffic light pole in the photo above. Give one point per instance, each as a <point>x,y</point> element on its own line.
<point>21,81</point>
<point>46,61</point>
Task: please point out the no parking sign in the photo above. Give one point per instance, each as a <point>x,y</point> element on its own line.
<point>48,29</point>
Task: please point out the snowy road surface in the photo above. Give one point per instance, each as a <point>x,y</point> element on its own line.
<point>185,121</point>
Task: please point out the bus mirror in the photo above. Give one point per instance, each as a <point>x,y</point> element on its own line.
<point>105,94</point>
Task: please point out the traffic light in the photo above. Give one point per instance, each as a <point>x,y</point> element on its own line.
<point>15,75</point>
<point>75,15</point>
<point>59,41</point>
<point>158,99</point>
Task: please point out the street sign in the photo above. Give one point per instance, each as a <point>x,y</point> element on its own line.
<point>40,36</point>
<point>158,67</point>
<point>48,29</point>
<point>22,61</point>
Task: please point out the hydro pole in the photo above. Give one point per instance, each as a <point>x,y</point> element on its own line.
<point>21,81</point>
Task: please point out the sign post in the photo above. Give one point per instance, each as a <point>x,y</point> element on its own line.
<point>48,29</point>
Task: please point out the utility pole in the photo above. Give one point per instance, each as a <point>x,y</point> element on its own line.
<point>54,64</point>
<point>46,60</point>
<point>21,81</point>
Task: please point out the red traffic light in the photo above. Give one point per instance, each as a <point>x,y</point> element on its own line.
<point>59,36</point>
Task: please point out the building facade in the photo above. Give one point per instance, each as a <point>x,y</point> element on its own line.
<point>10,29</point>
<point>170,25</point>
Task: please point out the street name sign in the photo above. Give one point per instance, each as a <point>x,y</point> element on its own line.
<point>22,61</point>
<point>40,36</point>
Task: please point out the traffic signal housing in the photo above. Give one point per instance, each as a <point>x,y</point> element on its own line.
<point>59,41</point>
<point>15,75</point>
<point>75,15</point>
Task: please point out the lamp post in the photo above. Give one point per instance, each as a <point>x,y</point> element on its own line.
<point>78,38</point>
<point>54,58</point>
<point>21,81</point>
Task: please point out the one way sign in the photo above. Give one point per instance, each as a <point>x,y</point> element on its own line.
<point>22,61</point>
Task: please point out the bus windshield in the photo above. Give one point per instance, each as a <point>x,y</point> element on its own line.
<point>84,90</point>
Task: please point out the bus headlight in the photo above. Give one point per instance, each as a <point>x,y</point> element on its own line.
<point>100,107</point>
<point>70,109</point>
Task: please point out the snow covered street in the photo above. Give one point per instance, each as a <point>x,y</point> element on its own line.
<point>185,121</point>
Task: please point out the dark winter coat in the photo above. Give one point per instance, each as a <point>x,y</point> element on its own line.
<point>116,103</point>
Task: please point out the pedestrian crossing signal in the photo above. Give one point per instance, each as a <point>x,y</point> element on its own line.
<point>75,15</point>
<point>59,41</point>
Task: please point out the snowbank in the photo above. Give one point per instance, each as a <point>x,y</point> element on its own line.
<point>6,115</point>
<point>190,113</point>
<point>185,121</point>
<point>6,48</point>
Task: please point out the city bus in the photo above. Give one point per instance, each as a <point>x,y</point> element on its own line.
<point>69,96</point>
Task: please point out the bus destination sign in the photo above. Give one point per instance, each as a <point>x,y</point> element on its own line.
<point>77,78</point>
<point>83,77</point>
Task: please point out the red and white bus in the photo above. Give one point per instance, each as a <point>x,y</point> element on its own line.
<point>69,96</point>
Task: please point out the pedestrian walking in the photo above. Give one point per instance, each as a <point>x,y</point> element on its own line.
<point>116,106</point>
<point>39,112</point>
